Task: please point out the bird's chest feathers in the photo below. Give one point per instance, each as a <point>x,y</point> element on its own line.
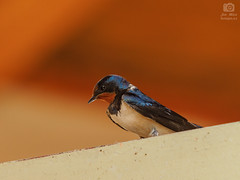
<point>126,117</point>
<point>133,121</point>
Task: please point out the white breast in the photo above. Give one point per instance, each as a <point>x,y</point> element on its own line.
<point>131,120</point>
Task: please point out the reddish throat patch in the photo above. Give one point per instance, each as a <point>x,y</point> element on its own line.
<point>108,97</point>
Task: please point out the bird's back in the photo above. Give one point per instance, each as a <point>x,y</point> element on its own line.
<point>150,108</point>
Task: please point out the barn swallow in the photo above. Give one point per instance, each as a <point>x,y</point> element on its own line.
<point>134,111</point>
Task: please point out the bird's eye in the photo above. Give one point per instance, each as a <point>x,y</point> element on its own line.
<point>103,87</point>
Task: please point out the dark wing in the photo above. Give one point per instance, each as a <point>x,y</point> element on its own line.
<point>154,110</point>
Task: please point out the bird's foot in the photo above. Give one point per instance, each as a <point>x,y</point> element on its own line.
<point>153,133</point>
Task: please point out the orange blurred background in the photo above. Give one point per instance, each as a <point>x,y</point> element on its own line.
<point>53,52</point>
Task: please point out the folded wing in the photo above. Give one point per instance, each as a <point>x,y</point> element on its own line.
<point>154,110</point>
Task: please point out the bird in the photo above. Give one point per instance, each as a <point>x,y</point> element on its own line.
<point>134,111</point>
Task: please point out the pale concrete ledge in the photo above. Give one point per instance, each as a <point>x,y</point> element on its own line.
<point>208,153</point>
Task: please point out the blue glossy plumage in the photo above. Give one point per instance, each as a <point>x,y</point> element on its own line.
<point>154,110</point>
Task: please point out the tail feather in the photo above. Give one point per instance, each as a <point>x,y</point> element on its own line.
<point>197,126</point>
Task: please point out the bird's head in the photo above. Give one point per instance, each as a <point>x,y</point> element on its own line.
<point>108,87</point>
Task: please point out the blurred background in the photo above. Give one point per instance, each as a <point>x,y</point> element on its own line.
<point>181,53</point>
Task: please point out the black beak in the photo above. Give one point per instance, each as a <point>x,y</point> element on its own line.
<point>93,98</point>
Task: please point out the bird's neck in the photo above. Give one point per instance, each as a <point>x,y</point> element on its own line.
<point>115,106</point>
